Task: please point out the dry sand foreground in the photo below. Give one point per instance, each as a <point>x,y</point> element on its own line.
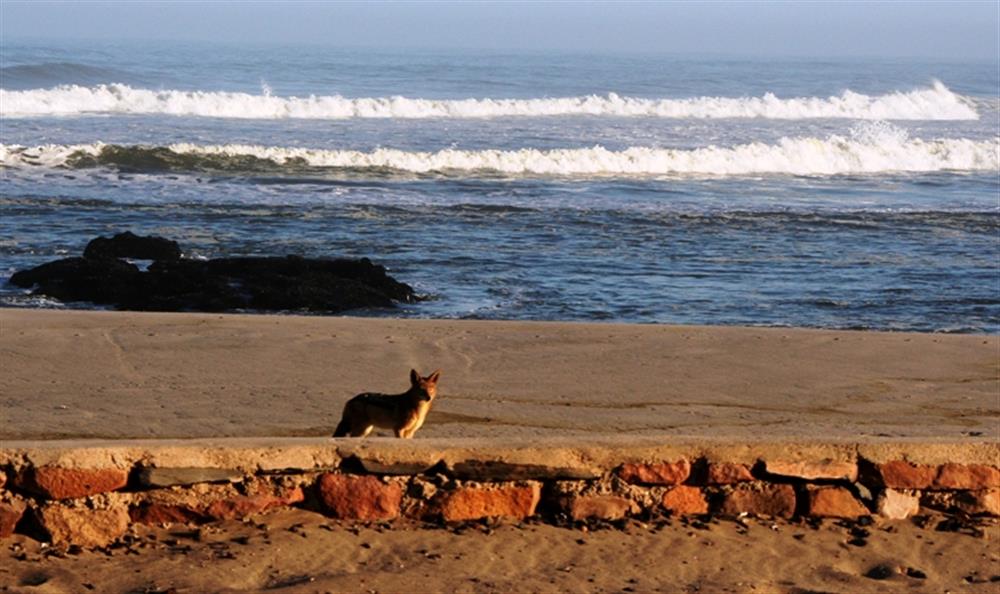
<point>128,375</point>
<point>302,552</point>
<point>120,375</point>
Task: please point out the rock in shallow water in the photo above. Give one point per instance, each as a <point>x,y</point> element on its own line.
<point>99,280</point>
<point>130,245</point>
<point>289,283</point>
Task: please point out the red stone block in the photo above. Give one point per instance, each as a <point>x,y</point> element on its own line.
<point>812,470</point>
<point>725,473</point>
<point>603,507</point>
<point>83,526</point>
<point>217,502</point>
<point>684,501</point>
<point>834,502</point>
<point>158,513</point>
<point>53,482</point>
<point>980,502</point>
<point>967,476</point>
<point>658,473</point>
<point>900,474</point>
<point>237,508</point>
<point>760,499</point>
<point>10,514</point>
<point>473,503</point>
<point>351,497</point>
<point>896,505</point>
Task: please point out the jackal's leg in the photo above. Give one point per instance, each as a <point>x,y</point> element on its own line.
<point>343,428</point>
<point>362,430</point>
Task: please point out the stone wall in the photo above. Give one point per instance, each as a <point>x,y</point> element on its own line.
<point>90,495</point>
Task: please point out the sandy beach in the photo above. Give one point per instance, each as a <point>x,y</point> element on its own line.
<point>85,374</point>
<point>301,552</point>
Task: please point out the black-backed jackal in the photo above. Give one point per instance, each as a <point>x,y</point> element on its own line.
<point>403,413</point>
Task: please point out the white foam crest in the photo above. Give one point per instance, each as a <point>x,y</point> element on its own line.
<point>934,103</point>
<point>795,156</point>
<point>48,156</point>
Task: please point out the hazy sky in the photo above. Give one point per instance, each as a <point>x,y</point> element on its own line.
<point>943,29</point>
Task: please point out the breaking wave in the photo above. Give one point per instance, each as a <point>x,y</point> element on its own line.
<point>872,150</point>
<point>934,103</point>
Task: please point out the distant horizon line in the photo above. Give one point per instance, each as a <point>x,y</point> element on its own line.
<point>9,40</point>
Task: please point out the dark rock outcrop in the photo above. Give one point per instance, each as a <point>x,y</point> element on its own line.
<point>129,245</point>
<point>101,280</point>
<point>172,283</point>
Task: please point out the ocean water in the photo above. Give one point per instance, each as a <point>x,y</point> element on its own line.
<point>634,188</point>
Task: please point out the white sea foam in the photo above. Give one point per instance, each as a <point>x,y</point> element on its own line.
<point>934,103</point>
<point>870,149</point>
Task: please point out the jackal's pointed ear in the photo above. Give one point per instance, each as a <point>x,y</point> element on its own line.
<point>414,377</point>
<point>433,378</point>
